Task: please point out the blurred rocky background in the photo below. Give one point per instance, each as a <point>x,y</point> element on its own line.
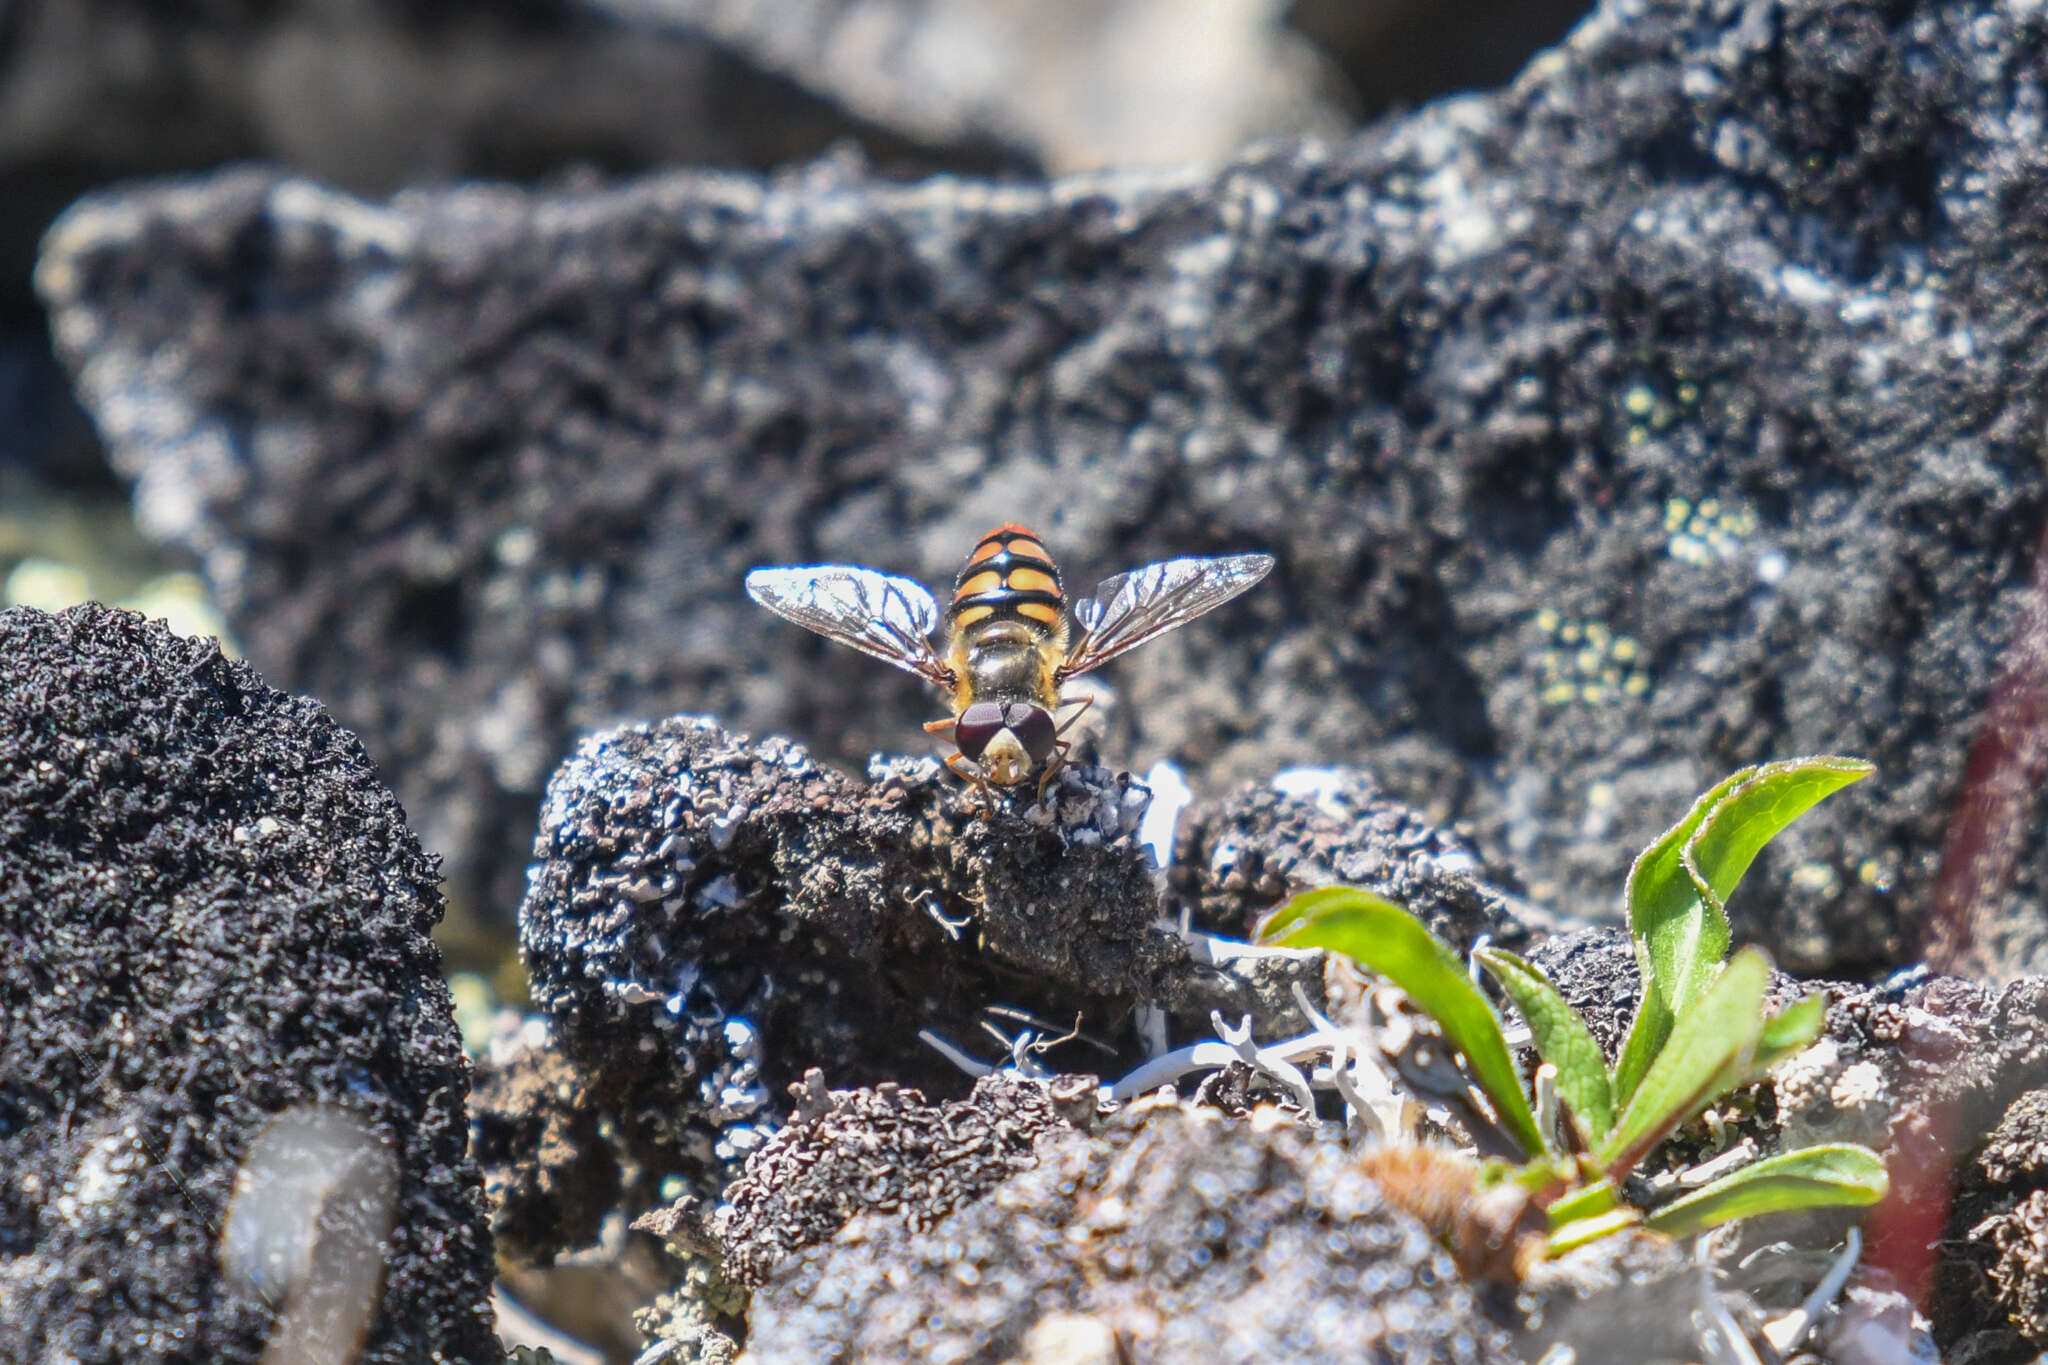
<point>1674,407</point>
<point>373,96</point>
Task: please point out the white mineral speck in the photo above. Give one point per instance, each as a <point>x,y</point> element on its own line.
<point>726,826</point>
<point>1170,796</point>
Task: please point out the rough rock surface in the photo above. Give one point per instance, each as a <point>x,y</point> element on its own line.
<point>1174,1235</point>
<point>215,913</point>
<point>878,1151</point>
<point>370,96</point>
<point>1996,1282</point>
<point>710,918</point>
<point>1595,970</point>
<point>537,1133</point>
<point>1236,858</point>
<point>1678,406</point>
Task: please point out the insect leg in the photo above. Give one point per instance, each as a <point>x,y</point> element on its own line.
<point>965,769</point>
<point>942,726</point>
<point>1060,749</point>
<point>1083,702</point>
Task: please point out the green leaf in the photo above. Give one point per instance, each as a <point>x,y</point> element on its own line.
<point>1587,1201</point>
<point>1646,1035</point>
<point>1581,1231</point>
<point>1671,931</point>
<point>1711,1042</point>
<point>1678,889</point>
<point>1542,1177</point>
<point>1755,813</point>
<point>1562,1039</point>
<point>1789,1032</point>
<point>1835,1176</point>
<point>1383,938</point>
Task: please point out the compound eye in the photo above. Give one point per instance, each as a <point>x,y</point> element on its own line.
<point>1034,729</point>
<point>977,725</point>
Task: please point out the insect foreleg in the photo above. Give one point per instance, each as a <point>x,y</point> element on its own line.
<point>1060,749</point>
<point>964,768</point>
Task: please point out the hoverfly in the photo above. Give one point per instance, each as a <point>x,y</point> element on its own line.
<point>1012,639</point>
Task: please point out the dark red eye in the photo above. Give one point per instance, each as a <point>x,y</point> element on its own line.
<point>977,725</point>
<point>1033,727</point>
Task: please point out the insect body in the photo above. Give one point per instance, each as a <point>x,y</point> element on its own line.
<point>1012,637</point>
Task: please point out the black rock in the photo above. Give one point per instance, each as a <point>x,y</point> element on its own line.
<point>215,916</point>
<point>1675,408</point>
<point>710,919</point>
<point>1993,1286</point>
<point>886,1150</point>
<point>1173,1235</point>
<point>1595,970</point>
<point>1956,1057</point>
<point>538,1133</point>
<point>1236,858</point>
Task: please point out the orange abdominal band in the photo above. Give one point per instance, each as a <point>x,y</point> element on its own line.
<point>1015,574</point>
<point>979,584</point>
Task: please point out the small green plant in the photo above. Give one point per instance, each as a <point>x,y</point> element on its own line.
<point>1700,1031</point>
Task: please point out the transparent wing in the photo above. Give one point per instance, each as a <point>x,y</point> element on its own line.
<point>888,617</point>
<point>1131,608</point>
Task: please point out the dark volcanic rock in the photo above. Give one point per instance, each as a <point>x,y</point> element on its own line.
<point>215,913</point>
<point>1678,407</point>
<point>710,919</point>
<point>1238,857</point>
<point>1175,1235</point>
<point>878,1151</point>
<point>1919,1069</point>
<point>1595,970</point>
<point>549,1174</point>
<point>1994,1284</point>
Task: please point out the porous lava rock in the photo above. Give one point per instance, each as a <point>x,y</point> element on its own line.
<point>878,1150</point>
<point>1595,970</point>
<point>215,913</point>
<point>1994,1283</point>
<point>1238,857</point>
<point>538,1134</point>
<point>709,918</point>
<point>1676,407</point>
<point>1173,1234</point>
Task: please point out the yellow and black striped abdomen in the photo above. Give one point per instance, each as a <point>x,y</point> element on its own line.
<point>1008,575</point>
